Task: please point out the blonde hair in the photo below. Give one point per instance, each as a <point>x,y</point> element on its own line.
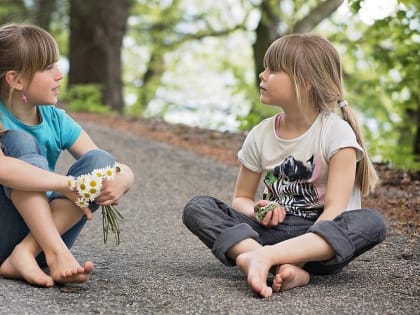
<point>25,49</point>
<point>314,66</point>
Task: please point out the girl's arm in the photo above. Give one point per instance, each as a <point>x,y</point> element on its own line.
<point>20,175</point>
<point>341,177</point>
<point>82,145</point>
<point>244,198</point>
<point>245,189</point>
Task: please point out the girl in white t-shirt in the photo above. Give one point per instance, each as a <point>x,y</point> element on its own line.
<point>315,169</point>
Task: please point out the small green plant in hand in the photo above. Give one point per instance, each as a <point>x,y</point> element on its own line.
<point>261,211</point>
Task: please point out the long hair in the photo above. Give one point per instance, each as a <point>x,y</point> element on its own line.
<point>314,66</point>
<point>25,49</point>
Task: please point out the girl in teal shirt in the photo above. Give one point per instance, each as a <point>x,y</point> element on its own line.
<point>39,220</point>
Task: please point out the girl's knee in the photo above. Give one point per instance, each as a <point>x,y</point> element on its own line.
<point>23,146</point>
<point>377,223</point>
<point>192,209</point>
<point>368,222</point>
<point>189,210</point>
<point>91,160</point>
<point>98,157</point>
<point>16,143</point>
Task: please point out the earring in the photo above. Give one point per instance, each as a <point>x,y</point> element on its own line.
<point>24,98</point>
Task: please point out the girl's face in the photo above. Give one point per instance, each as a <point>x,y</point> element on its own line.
<point>43,89</point>
<point>276,88</point>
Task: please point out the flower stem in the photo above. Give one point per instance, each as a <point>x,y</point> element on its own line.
<point>110,217</point>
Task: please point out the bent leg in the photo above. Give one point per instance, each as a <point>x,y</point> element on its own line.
<point>13,229</point>
<point>46,225</point>
<point>88,162</point>
<point>218,226</point>
<point>16,261</point>
<point>350,234</point>
<point>326,248</point>
<point>229,233</point>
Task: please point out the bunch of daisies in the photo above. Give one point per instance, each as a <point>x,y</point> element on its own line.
<point>88,187</point>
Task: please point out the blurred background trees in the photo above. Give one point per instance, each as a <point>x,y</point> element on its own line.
<point>183,59</point>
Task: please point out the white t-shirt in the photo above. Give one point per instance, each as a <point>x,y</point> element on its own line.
<point>296,170</point>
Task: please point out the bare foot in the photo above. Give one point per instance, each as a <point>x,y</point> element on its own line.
<point>256,267</point>
<point>22,265</point>
<point>289,277</point>
<point>64,268</point>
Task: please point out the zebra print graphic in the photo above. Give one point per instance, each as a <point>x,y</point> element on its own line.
<point>288,184</point>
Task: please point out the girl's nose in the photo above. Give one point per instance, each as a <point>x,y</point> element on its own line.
<point>260,76</point>
<point>59,75</point>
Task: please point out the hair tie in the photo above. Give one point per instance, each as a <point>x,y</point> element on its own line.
<point>342,103</point>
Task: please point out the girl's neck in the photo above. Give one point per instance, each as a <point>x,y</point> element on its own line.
<point>291,125</point>
<point>26,113</point>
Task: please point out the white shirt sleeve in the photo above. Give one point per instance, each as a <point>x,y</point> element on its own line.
<point>340,135</point>
<point>250,153</point>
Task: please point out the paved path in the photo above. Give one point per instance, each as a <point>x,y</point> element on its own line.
<point>161,268</point>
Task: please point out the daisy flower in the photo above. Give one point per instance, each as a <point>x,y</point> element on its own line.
<point>93,186</point>
<point>109,173</point>
<point>82,203</point>
<point>99,173</point>
<point>71,183</point>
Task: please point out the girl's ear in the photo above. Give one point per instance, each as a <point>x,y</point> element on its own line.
<point>14,80</point>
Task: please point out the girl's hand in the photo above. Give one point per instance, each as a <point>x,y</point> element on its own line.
<point>111,192</point>
<point>273,217</point>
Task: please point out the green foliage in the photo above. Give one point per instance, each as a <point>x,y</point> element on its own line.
<point>382,75</point>
<point>85,98</point>
<point>13,11</point>
<point>381,61</point>
<point>258,113</point>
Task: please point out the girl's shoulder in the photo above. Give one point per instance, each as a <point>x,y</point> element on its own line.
<point>265,125</point>
<point>51,112</point>
<point>336,133</point>
<point>50,109</point>
<point>332,121</point>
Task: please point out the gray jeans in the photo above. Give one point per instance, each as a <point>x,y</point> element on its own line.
<point>220,227</point>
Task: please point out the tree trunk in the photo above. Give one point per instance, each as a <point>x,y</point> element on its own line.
<point>97,30</point>
<point>44,9</point>
<point>266,33</point>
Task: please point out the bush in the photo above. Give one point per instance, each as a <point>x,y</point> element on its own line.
<point>86,98</point>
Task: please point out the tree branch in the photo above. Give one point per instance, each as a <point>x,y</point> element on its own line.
<point>315,16</point>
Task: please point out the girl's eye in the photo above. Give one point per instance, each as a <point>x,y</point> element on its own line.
<point>271,69</point>
<point>50,66</point>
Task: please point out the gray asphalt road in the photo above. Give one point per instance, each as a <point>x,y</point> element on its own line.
<point>161,268</point>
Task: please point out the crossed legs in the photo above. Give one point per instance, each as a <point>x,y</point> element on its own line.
<point>47,222</point>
